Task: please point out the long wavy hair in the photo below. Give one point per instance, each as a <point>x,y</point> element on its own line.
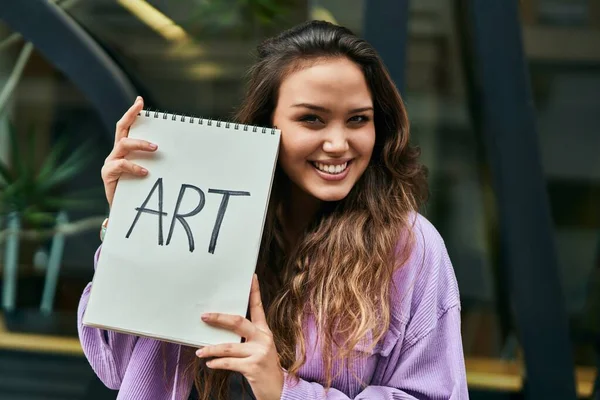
<point>340,271</point>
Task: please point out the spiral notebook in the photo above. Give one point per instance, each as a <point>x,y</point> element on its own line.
<point>184,240</point>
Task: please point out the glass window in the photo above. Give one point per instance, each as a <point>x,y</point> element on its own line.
<point>565,76</point>
<point>186,57</point>
<point>436,97</point>
<point>54,167</point>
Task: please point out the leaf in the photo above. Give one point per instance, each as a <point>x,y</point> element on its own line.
<point>89,198</point>
<point>39,218</point>
<point>52,159</point>
<point>5,173</point>
<point>15,154</point>
<point>59,176</point>
<point>29,156</point>
<point>13,189</point>
<point>69,168</point>
<point>91,193</point>
<point>60,203</point>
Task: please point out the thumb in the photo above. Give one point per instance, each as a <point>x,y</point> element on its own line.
<point>257,313</point>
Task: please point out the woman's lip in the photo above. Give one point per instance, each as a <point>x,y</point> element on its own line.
<point>332,177</point>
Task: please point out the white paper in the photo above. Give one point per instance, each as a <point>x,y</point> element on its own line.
<point>160,291</point>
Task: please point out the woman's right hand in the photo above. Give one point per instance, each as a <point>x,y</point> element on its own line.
<point>115,164</point>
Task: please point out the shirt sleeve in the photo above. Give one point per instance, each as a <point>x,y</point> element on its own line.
<point>430,367</point>
<point>107,352</point>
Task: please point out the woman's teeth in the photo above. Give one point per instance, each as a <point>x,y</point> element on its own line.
<point>331,169</point>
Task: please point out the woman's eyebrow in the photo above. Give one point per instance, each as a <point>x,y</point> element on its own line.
<point>313,107</point>
<point>326,110</point>
<point>361,109</point>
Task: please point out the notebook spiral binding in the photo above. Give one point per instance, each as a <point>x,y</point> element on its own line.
<point>206,121</point>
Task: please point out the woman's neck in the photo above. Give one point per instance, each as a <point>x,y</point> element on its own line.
<point>297,213</point>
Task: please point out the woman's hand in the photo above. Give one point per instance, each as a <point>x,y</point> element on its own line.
<point>115,164</point>
<point>256,358</point>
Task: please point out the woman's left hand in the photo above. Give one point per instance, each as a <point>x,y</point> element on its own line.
<point>257,357</point>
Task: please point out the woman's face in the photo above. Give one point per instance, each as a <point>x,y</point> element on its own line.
<point>325,113</point>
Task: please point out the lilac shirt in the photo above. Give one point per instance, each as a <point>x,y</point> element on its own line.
<point>420,357</point>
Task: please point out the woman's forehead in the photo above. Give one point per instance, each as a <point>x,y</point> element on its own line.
<point>334,81</point>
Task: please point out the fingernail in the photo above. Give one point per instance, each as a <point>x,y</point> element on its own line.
<point>144,171</point>
<point>138,98</point>
<point>152,146</point>
<point>199,353</point>
<point>205,317</point>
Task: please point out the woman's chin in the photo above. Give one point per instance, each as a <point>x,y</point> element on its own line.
<point>330,194</point>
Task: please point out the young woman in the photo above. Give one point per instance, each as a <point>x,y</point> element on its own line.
<point>358,299</point>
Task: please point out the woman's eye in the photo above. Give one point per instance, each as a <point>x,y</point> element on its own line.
<point>310,119</point>
<point>359,119</point>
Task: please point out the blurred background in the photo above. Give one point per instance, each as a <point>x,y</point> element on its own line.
<point>504,100</point>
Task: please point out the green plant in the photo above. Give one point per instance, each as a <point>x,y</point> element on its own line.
<point>36,193</point>
<point>235,16</point>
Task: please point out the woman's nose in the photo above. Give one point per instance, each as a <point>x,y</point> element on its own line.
<point>336,141</point>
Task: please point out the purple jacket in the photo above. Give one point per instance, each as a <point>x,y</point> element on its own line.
<point>420,357</point>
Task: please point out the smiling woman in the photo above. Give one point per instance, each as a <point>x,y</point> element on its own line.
<point>357,295</point>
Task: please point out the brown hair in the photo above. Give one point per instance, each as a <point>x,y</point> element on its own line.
<point>341,270</point>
